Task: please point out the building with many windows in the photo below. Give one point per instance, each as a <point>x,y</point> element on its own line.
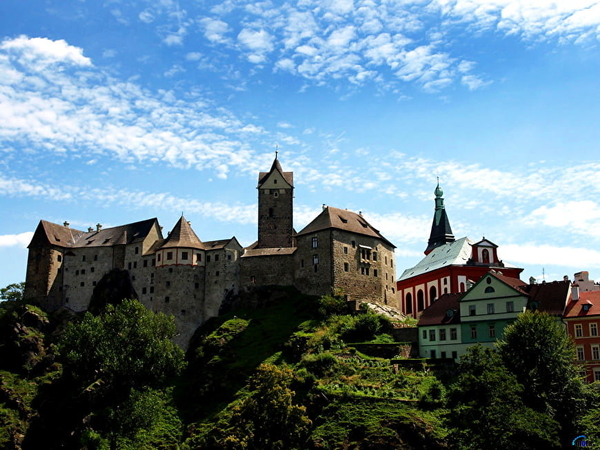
<point>181,275</point>
<point>450,265</point>
<point>582,316</point>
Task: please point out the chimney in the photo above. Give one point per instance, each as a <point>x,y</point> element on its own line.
<point>574,292</point>
<point>66,224</point>
<point>98,226</point>
<point>90,229</point>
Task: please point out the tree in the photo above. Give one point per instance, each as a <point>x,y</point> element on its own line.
<point>126,347</point>
<point>487,410</point>
<point>538,351</point>
<point>267,418</point>
<point>13,292</point>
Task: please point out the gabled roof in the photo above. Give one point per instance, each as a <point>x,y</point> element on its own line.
<point>287,176</point>
<point>576,308</point>
<point>550,298</point>
<point>54,234</point>
<point>342,219</point>
<point>182,235</point>
<point>485,243</point>
<point>68,237</point>
<point>438,312</point>
<point>451,254</point>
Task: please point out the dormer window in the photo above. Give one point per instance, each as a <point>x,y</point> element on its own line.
<point>586,307</point>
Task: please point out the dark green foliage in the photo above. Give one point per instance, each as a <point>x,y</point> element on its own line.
<point>376,424</point>
<point>268,418</point>
<point>126,347</point>
<point>330,305</point>
<point>538,351</point>
<point>487,410</point>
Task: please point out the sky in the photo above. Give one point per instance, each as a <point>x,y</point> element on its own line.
<point>114,111</point>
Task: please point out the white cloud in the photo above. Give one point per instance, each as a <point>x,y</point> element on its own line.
<point>214,30</point>
<point>41,52</point>
<point>550,255</point>
<point>579,216</point>
<point>258,42</point>
<point>16,240</point>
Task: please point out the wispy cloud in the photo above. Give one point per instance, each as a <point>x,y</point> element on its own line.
<point>16,240</point>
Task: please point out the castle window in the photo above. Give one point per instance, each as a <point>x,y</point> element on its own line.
<point>275,181</point>
<point>367,271</point>
<point>159,257</point>
<point>198,257</point>
<point>151,278</point>
<point>252,279</point>
<point>316,267</point>
<point>133,278</point>
<point>82,284</point>
<point>353,244</point>
<point>345,250</point>
<point>301,263</point>
<point>93,283</point>
<point>270,212</point>
<point>228,257</point>
<point>135,264</point>
<point>432,335</point>
<point>442,334</point>
<point>217,273</point>
<point>362,270</point>
<point>315,242</point>
<point>129,266</point>
<point>510,307</point>
<point>152,289</point>
<point>432,294</point>
<point>168,284</point>
<point>137,250</point>
<point>167,299</point>
<point>144,290</point>
<point>315,259</point>
<point>490,308</point>
<point>207,258</point>
<point>82,271</point>
<point>197,285</point>
<point>169,256</point>
<point>453,334</point>
<point>145,263</point>
<point>77,272</point>
<point>445,281</point>
<point>386,260</point>
<point>83,258</point>
<point>472,310</point>
<point>95,257</point>
<point>593,329</point>
<point>184,255</point>
<point>153,262</point>
<point>462,287</point>
<point>375,273</point>
<point>170,270</point>
<point>59,258</point>
<point>346,267</point>
<point>216,258</point>
<point>276,194</point>
<point>374,256</point>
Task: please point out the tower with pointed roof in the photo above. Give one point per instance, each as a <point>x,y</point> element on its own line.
<point>441,233</point>
<point>275,207</point>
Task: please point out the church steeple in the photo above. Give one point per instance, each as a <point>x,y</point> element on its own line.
<point>441,233</point>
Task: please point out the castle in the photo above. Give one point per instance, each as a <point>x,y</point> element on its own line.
<point>188,278</point>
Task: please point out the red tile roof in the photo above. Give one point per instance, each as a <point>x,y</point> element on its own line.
<point>576,309</point>
<point>437,312</point>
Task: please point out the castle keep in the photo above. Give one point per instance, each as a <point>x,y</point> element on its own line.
<point>189,278</point>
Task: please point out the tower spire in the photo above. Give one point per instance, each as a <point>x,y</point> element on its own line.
<point>441,232</point>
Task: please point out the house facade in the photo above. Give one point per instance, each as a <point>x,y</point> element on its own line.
<point>582,317</point>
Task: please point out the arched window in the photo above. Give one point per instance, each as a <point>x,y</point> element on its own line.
<point>489,290</point>
<point>408,303</point>
<point>461,287</point>
<point>420,302</point>
<point>432,294</point>
<point>485,255</point>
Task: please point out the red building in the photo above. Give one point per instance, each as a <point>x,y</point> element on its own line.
<point>582,316</point>
<point>450,265</point>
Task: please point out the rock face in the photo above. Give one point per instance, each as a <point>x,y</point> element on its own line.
<point>22,332</point>
<point>112,289</point>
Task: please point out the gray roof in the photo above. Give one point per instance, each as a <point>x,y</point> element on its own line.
<point>451,254</point>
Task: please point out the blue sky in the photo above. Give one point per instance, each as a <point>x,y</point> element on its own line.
<point>117,111</point>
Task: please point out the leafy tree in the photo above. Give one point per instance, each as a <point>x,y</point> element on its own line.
<point>487,410</point>
<point>537,349</point>
<point>13,292</point>
<point>126,347</point>
<point>267,418</point>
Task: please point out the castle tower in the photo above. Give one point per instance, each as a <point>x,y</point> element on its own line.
<point>441,233</point>
<point>275,207</point>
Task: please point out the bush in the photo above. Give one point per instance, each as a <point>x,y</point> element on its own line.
<point>330,305</point>
<point>320,364</point>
